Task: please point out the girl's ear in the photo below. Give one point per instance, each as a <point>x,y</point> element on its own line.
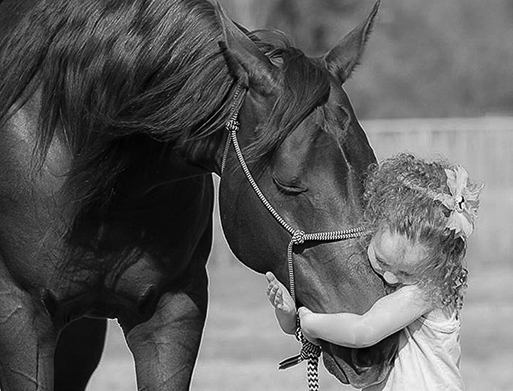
<point>248,64</point>
<point>346,55</point>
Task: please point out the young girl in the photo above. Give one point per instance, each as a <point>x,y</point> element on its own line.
<point>419,216</point>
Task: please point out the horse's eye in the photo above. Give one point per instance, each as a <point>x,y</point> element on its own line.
<point>289,188</point>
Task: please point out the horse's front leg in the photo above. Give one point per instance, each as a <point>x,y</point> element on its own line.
<point>78,353</point>
<point>27,339</point>
<point>165,347</point>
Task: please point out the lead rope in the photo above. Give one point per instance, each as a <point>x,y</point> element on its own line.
<point>309,351</point>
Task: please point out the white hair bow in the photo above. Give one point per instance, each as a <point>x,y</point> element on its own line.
<point>463,201</point>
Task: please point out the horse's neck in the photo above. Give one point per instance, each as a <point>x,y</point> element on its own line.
<point>161,166</point>
<point>203,156</point>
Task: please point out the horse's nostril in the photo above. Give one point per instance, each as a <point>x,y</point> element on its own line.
<point>363,358</point>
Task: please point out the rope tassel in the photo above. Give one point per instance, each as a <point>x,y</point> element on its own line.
<point>290,362</point>
<point>309,352</point>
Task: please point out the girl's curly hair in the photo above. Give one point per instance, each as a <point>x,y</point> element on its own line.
<point>392,204</point>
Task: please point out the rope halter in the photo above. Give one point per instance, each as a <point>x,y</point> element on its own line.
<point>309,351</point>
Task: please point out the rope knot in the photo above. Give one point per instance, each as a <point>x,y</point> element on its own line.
<point>233,124</point>
<point>309,350</point>
<point>298,237</point>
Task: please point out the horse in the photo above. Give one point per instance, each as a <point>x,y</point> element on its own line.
<point>113,119</point>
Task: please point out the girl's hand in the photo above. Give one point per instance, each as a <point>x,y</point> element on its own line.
<point>306,320</point>
<point>279,296</point>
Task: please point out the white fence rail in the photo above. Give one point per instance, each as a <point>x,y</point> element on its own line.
<point>483,145</point>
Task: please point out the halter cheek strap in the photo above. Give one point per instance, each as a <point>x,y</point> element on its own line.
<point>233,123</point>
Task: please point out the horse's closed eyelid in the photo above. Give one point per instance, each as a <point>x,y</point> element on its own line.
<point>290,189</point>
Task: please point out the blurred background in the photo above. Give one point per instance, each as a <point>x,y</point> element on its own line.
<point>436,80</point>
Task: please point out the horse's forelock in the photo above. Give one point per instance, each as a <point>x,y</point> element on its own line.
<point>305,87</point>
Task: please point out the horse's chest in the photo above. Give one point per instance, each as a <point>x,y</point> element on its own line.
<point>105,262</point>
<point>128,290</point>
<point>124,260</point>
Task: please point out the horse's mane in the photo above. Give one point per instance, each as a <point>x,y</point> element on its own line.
<point>111,71</point>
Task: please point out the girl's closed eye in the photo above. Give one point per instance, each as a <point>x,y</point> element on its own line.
<point>382,263</point>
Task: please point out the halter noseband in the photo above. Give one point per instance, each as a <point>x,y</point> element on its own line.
<point>309,351</point>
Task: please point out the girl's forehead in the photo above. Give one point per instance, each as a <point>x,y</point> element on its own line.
<point>394,247</point>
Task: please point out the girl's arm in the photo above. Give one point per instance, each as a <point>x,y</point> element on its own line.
<point>389,314</point>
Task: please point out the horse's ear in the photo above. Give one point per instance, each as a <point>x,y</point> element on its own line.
<point>346,55</point>
<point>248,64</point>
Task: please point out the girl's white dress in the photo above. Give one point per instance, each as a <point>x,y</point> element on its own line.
<point>428,358</point>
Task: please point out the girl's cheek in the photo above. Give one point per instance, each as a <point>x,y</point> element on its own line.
<point>378,269</point>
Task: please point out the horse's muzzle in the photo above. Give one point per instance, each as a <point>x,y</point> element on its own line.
<point>360,367</point>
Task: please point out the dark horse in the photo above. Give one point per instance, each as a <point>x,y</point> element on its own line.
<point>112,121</point>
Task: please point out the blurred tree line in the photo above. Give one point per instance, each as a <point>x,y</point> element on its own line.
<point>434,58</point>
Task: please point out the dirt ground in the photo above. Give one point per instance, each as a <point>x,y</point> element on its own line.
<point>242,343</point>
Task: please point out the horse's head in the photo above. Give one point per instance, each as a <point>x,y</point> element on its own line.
<point>308,153</point>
